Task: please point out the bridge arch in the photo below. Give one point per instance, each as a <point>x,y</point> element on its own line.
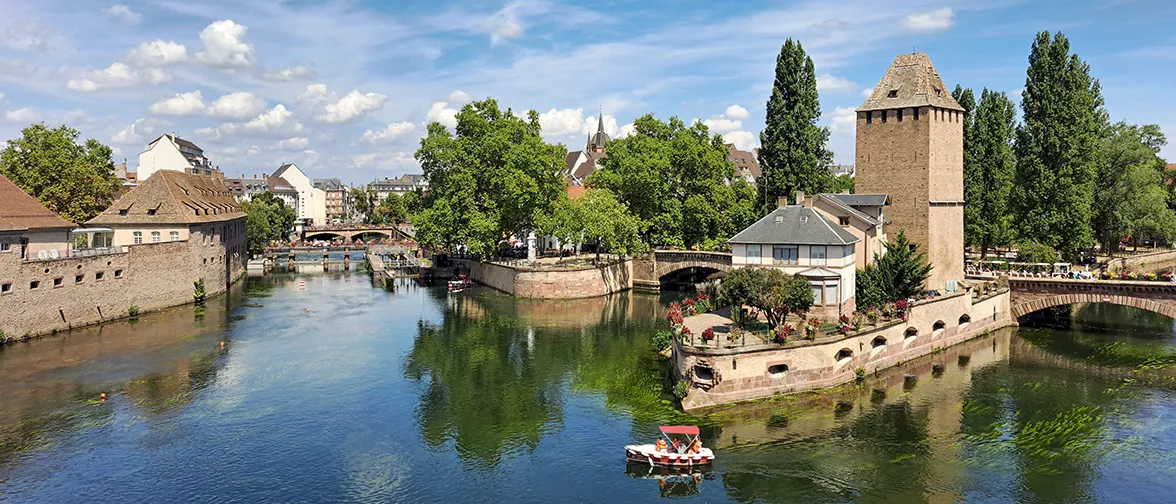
<point>1041,303</point>
<point>325,235</point>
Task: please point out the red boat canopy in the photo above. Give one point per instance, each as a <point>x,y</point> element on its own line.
<point>689,430</point>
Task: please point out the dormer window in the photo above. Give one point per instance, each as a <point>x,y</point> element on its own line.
<point>150,211</point>
<point>122,213</point>
<point>803,219</point>
<point>892,94</point>
<point>938,92</point>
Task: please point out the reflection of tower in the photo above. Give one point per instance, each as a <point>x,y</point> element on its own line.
<point>596,142</point>
<point>910,145</point>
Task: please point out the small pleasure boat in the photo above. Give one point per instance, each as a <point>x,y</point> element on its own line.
<point>460,283</point>
<point>672,452</point>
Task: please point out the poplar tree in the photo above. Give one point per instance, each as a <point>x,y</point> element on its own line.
<point>988,181</point>
<point>1057,148</point>
<point>792,154</point>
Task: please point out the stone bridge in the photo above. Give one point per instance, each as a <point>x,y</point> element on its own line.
<point>1034,294</point>
<point>650,269</point>
<point>351,233</point>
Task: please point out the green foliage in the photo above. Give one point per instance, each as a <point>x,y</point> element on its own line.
<point>674,179</point>
<point>859,374</point>
<point>1034,252</point>
<point>1057,148</point>
<point>267,218</point>
<point>493,177</point>
<point>390,211</point>
<point>989,166</point>
<point>133,311</point>
<point>198,293</point>
<point>768,290</point>
<point>792,153</point>
<point>75,181</point>
<point>662,340</point>
<point>1131,197</point>
<point>607,220</point>
<point>843,184</point>
<point>681,389</point>
<point>901,273</point>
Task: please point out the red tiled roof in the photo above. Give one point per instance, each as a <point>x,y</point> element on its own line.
<point>21,211</point>
<point>175,198</point>
<point>574,192</point>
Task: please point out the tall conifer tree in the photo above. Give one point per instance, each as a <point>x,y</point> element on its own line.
<point>1057,148</point>
<point>986,218</point>
<point>792,153</point>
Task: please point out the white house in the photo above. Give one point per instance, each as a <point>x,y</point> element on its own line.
<point>801,241</point>
<point>170,152</point>
<point>312,201</point>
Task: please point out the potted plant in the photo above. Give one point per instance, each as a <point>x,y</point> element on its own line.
<point>708,334</point>
<point>781,333</point>
<point>688,307</point>
<point>900,308</point>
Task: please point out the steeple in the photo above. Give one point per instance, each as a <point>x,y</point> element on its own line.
<point>910,82</point>
<point>597,142</point>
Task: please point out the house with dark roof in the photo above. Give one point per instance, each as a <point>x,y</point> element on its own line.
<point>746,165</point>
<point>801,241</point>
<point>170,152</point>
<point>860,214</point>
<point>28,230</point>
<point>169,207</point>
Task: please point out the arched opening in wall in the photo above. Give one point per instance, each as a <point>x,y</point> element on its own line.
<point>777,370</point>
<point>910,332</point>
<point>687,278</point>
<point>878,342</point>
<point>965,319</point>
<point>843,357</point>
<point>327,237</point>
<point>370,236</point>
<point>938,328</point>
<point>703,373</point>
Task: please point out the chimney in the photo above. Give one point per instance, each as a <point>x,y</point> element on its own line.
<point>781,201</point>
<point>800,198</point>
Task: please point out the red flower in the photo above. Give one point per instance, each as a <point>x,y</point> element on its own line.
<point>901,304</point>
<point>702,297</point>
<point>688,302</point>
<point>708,334</point>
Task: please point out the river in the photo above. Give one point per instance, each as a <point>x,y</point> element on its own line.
<point>328,389</point>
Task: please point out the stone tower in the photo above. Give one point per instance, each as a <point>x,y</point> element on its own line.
<point>910,145</point>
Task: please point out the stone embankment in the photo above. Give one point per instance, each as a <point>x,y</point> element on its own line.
<point>554,283</point>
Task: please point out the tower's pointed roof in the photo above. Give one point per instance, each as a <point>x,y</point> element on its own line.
<point>910,82</point>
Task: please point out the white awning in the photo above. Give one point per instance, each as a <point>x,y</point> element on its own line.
<point>92,230</point>
<point>819,273</point>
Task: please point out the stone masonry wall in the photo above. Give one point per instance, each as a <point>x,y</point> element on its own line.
<point>557,284</point>
<point>150,276</point>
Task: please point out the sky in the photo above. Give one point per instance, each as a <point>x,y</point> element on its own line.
<point>346,88</point>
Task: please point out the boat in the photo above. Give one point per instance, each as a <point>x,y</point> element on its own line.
<point>460,283</point>
<point>674,454</point>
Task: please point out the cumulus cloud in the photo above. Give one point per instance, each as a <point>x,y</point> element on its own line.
<point>931,21</point>
<point>352,107</point>
<point>508,29</point>
<point>843,122</point>
<point>181,104</point>
<point>866,93</point>
<point>743,140</point>
<point>722,125</point>
<point>123,13</point>
<point>273,120</point>
<point>590,125</point>
<point>442,113</point>
<point>208,132</point>
<point>253,150</point>
<point>239,105</point>
<point>626,130</point>
<point>22,115</point>
<point>392,132</point>
<point>312,93</point>
<point>391,160</point>
<point>117,76</point>
<point>827,82</point>
<point>135,133</point>
<point>223,46</point>
<point>289,74</point>
<point>27,36</point>
<point>294,144</point>
<point>460,97</point>
<point>157,53</point>
<point>557,122</point>
<point>736,112</point>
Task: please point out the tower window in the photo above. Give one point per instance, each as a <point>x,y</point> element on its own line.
<point>893,93</point>
<point>899,115</point>
<point>916,113</point>
<point>884,114</point>
<point>938,92</point>
<point>870,117</point>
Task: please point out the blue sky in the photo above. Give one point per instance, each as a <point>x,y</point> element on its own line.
<point>344,89</point>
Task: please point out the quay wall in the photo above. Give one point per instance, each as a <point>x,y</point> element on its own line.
<point>1154,262</point>
<point>554,284</point>
<point>94,289</point>
<point>741,374</point>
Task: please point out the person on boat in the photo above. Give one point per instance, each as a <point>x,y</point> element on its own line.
<point>660,445</point>
<point>696,446</point>
<point>677,446</point>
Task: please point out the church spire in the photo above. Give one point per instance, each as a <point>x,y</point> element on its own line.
<point>600,121</point>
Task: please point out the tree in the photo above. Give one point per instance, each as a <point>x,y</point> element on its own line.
<point>1033,252</point>
<point>390,211</point>
<point>989,166</point>
<point>901,273</point>
<point>280,217</point>
<point>792,155</point>
<point>258,228</point>
<point>675,179</point>
<point>75,181</point>
<point>563,222</point>
<point>362,203</point>
<point>843,184</point>
<point>607,220</point>
<point>1131,194</point>
<point>492,178</point>
<point>768,290</point>
<point>1057,148</point>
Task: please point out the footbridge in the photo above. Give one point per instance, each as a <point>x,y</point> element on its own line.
<point>1033,294</point>
<point>649,270</point>
<point>351,233</point>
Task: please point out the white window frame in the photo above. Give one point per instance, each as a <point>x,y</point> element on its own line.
<point>155,237</point>
<point>818,259</point>
<point>137,237</point>
<point>758,255</point>
<point>175,236</point>
<point>792,259</point>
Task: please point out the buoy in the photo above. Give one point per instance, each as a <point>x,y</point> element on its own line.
<point>222,345</point>
<point>308,310</point>
<point>103,396</point>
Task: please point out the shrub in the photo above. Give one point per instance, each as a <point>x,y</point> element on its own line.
<point>133,311</point>
<point>860,373</point>
<point>781,333</point>
<point>708,334</point>
<point>662,340</point>
<point>198,291</point>
<point>681,389</point>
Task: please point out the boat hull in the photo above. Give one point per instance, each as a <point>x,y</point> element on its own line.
<point>648,454</point>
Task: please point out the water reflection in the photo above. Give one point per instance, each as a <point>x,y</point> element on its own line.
<point>671,482</point>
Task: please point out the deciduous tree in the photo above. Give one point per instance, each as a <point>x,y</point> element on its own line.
<point>74,180</point>
<point>1131,194</point>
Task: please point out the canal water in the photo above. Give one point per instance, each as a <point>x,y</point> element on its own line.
<point>331,390</point>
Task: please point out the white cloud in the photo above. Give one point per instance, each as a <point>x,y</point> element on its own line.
<point>460,97</point>
<point>208,132</point>
<point>239,105</point>
<point>440,112</point>
<point>743,140</point>
<point>827,82</point>
<point>557,122</point>
<point>509,29</point>
<point>22,115</point>
<point>590,126</point>
<point>294,144</point>
<point>26,37</point>
<point>1,96</point>
<point>736,112</point>
<point>253,150</point>
<point>273,120</point>
<point>392,132</point>
<point>123,13</point>
<point>843,122</point>
<point>158,53</point>
<point>352,107</point>
<point>288,74</point>
<point>182,104</point>
<point>391,160</point>
<point>626,130</point>
<point>117,76</point>
<point>722,125</point>
<point>312,93</point>
<point>134,133</point>
<point>866,93</point>
<point>930,21</point>
<point>223,47</point>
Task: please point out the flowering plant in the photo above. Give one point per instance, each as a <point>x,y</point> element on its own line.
<point>873,315</point>
<point>781,333</point>
<point>735,334</point>
<point>708,334</point>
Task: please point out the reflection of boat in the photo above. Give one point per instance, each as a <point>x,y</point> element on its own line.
<point>460,283</point>
<point>676,453</point>
<point>671,481</point>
